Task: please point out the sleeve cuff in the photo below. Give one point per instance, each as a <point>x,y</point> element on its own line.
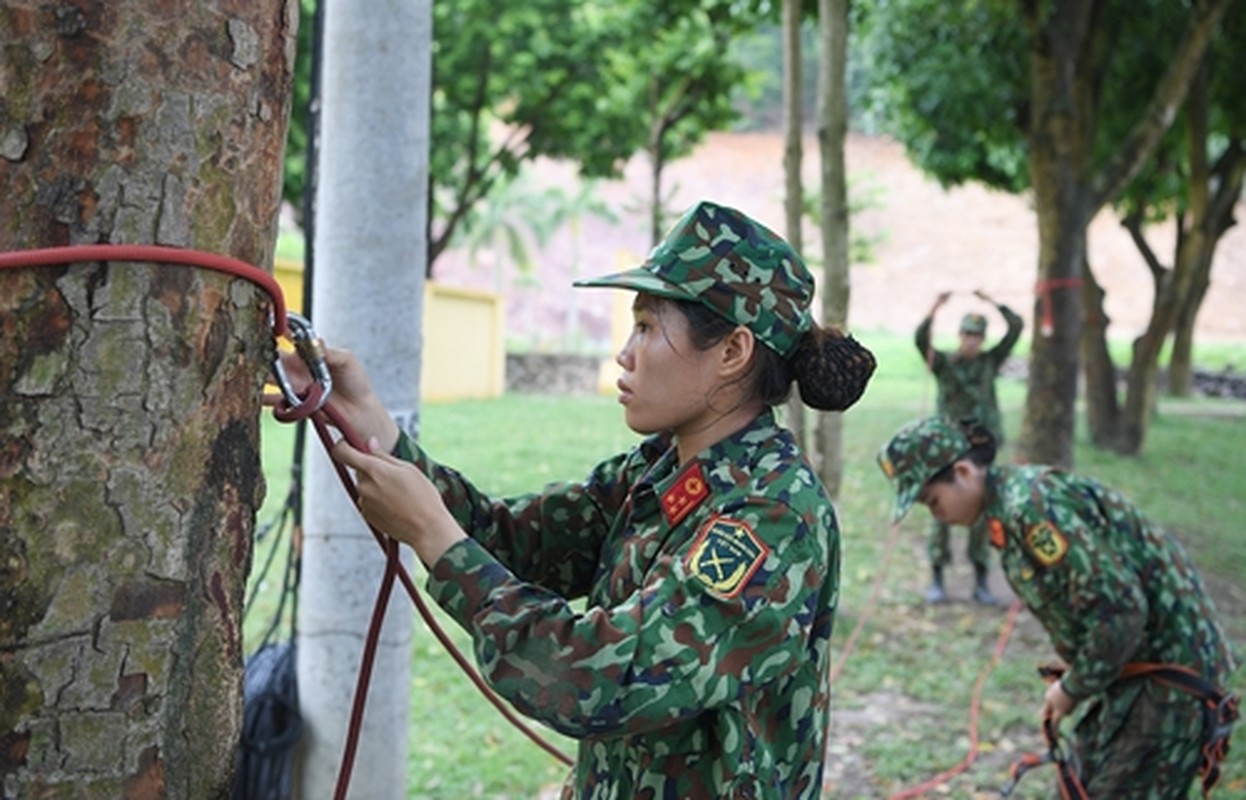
<point>463,578</point>
<point>1073,688</point>
<point>404,448</point>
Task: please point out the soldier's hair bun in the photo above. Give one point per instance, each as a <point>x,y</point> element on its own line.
<point>831,368</point>
<point>982,444</point>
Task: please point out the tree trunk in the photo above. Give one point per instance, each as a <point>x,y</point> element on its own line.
<point>1103,412</point>
<point>1181,360</point>
<point>794,188</point>
<point>129,394</point>
<point>657,163</point>
<point>1060,137</point>
<point>832,131</point>
<point>1140,377</point>
<point>1226,179</point>
<point>1212,195</point>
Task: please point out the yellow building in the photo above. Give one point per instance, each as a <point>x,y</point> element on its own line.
<point>464,354</point>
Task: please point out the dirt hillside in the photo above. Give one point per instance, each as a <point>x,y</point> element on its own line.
<point>928,240</point>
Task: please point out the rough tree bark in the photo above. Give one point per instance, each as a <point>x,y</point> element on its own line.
<point>129,393</point>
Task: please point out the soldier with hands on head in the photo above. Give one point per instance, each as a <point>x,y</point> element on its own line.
<point>707,555</point>
<point>1124,606</point>
<point>965,379</point>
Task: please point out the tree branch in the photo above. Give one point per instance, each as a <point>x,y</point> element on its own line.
<point>1157,119</point>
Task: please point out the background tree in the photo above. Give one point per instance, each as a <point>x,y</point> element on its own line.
<point>673,78</point>
<point>832,132</point>
<point>588,81</point>
<point>793,156</point>
<point>1193,183</point>
<point>129,394</point>
<point>968,108</point>
<point>294,173</point>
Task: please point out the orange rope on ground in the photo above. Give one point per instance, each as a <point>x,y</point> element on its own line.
<point>974,711</point>
<point>850,642</point>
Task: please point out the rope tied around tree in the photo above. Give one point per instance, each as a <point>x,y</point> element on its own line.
<point>1044,289</point>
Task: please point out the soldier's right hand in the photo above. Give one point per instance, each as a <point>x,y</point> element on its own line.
<point>352,396</point>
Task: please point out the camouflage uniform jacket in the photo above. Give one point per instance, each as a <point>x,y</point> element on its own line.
<point>699,666</point>
<point>1107,584</point>
<point>967,385</point>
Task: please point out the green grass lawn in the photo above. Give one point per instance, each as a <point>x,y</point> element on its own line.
<point>902,701</point>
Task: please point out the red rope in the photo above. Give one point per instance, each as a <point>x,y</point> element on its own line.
<point>394,568</point>
<point>73,254</point>
<point>974,711</point>
<point>1044,288</point>
<point>850,642</point>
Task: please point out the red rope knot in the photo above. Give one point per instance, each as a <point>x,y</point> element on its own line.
<point>1044,288</point>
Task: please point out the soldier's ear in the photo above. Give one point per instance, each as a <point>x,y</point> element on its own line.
<point>736,352</point>
<point>964,470</point>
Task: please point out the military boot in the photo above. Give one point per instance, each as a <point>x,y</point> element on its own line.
<point>981,593</point>
<point>936,592</point>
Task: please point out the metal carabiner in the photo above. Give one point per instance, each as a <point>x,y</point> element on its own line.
<point>310,348</point>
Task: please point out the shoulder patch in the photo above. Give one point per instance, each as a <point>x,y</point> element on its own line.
<point>1046,543</point>
<point>725,555</point>
<point>685,495</point>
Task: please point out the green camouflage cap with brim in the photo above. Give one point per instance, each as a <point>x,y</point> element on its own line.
<point>918,452</point>
<point>733,265</point>
<point>974,324</point>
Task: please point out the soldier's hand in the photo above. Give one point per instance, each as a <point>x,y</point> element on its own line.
<point>352,395</point>
<point>397,499</point>
<point>1057,703</point>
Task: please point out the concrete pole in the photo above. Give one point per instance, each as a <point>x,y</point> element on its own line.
<point>367,289</point>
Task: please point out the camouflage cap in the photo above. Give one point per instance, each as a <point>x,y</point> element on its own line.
<point>918,452</point>
<point>973,323</point>
<point>733,265</point>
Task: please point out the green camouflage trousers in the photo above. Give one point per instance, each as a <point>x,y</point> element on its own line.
<point>1144,741</point>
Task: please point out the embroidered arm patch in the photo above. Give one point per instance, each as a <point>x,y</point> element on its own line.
<point>1046,543</point>
<point>725,555</point>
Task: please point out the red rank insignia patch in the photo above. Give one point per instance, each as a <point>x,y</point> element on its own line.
<point>996,529</point>
<point>685,495</point>
<point>725,555</point>
<point>1046,543</point>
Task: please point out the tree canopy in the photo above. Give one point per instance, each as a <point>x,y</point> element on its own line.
<point>1073,102</point>
<point>590,81</point>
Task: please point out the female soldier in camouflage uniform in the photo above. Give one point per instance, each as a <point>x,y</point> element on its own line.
<point>708,554</point>
<point>966,383</point>
<point>1111,588</point>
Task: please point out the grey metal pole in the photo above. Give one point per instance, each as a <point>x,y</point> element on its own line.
<point>368,297</point>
